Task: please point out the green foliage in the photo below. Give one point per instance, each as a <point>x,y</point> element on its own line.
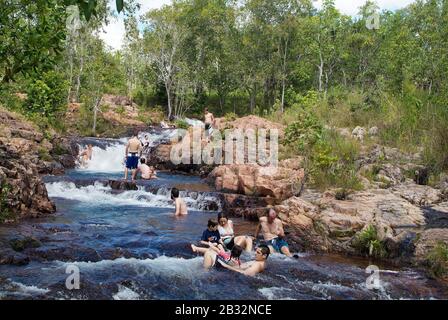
<point>437,260</point>
<point>47,95</point>
<point>181,124</point>
<point>120,110</point>
<point>230,116</point>
<point>304,133</point>
<point>367,242</point>
<point>44,155</point>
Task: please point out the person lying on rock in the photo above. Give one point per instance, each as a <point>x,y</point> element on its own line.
<point>217,253</point>
<point>132,154</point>
<point>227,234</point>
<point>146,171</point>
<point>271,228</point>
<point>251,268</point>
<point>179,203</point>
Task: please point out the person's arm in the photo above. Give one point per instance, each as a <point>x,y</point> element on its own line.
<point>250,271</point>
<point>126,150</point>
<point>257,231</point>
<point>281,232</point>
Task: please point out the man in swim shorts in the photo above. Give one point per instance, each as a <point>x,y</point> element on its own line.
<point>132,154</point>
<point>272,229</point>
<point>209,121</point>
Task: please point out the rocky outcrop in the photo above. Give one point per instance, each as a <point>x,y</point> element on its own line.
<point>249,122</point>
<point>23,193</point>
<point>253,180</point>
<point>25,153</point>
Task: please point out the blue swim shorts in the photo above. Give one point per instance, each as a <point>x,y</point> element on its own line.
<point>277,244</point>
<point>132,161</point>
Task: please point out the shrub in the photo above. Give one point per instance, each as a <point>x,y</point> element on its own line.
<point>437,260</point>
<point>120,110</point>
<point>367,242</point>
<point>231,116</point>
<point>47,96</point>
<point>182,124</point>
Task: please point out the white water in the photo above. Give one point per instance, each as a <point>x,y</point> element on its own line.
<point>110,159</point>
<point>98,194</point>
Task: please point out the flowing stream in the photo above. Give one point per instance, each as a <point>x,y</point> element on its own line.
<point>128,245</point>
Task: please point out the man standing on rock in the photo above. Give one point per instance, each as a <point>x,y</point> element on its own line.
<point>272,229</point>
<point>209,122</point>
<point>132,154</point>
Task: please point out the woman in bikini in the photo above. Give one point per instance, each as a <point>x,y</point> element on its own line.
<point>227,234</point>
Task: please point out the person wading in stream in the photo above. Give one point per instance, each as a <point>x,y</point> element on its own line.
<point>132,154</point>
<point>179,203</point>
<point>272,229</point>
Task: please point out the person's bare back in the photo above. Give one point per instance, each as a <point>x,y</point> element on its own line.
<point>134,145</point>
<point>181,207</point>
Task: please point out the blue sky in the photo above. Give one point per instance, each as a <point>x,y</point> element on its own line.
<point>114,32</point>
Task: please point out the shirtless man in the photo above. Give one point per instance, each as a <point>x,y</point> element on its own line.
<point>86,155</point>
<point>179,203</point>
<point>146,171</point>
<point>251,268</point>
<point>209,122</point>
<point>132,154</point>
<point>272,229</point>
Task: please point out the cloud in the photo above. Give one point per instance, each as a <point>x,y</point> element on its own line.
<point>352,7</point>
<point>113,33</point>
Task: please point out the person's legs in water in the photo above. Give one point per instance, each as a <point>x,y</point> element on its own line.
<point>281,245</point>
<point>197,249</point>
<point>209,259</point>
<point>244,242</point>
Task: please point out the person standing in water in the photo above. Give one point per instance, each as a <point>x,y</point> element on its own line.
<point>209,121</point>
<point>132,154</point>
<point>179,203</point>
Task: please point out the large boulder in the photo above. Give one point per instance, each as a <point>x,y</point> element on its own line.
<point>249,122</point>
<point>254,180</point>
<point>328,224</point>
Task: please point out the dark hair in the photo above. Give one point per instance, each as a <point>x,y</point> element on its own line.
<point>222,215</point>
<point>174,193</point>
<point>142,160</point>
<point>264,250</point>
<point>236,251</point>
<point>212,223</point>
<point>206,110</point>
<point>135,132</point>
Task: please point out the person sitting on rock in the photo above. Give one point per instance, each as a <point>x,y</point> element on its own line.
<point>132,154</point>
<point>251,268</point>
<point>146,171</point>
<point>217,253</point>
<point>227,234</point>
<point>271,228</point>
<point>179,203</point>
<point>211,234</point>
<point>86,155</point>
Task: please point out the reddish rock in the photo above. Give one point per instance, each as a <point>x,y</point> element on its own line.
<point>253,180</point>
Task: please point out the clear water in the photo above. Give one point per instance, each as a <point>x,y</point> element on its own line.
<point>128,245</point>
